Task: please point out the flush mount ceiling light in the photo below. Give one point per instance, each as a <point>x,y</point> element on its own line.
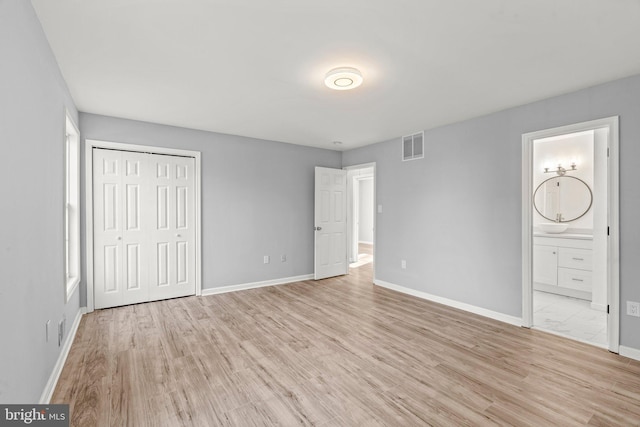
<point>343,78</point>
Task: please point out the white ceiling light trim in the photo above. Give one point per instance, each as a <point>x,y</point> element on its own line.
<point>344,78</point>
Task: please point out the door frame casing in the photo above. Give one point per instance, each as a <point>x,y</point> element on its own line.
<point>89,145</point>
<point>350,219</point>
<point>613,220</point>
<point>357,182</point>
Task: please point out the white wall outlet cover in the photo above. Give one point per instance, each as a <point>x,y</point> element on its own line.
<point>266,259</point>
<point>379,208</point>
<point>60,332</point>
<point>633,308</point>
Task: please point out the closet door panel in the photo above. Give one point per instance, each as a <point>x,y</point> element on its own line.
<point>173,271</point>
<point>144,237</point>
<point>108,228</point>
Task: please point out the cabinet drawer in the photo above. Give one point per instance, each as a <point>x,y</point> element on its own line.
<point>574,279</point>
<point>575,258</point>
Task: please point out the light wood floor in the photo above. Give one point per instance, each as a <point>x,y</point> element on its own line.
<point>338,352</point>
<point>365,248</point>
<point>365,255</point>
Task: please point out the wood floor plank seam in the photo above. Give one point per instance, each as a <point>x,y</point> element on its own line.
<point>335,352</point>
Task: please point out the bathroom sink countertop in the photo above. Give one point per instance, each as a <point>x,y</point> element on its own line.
<point>563,235</point>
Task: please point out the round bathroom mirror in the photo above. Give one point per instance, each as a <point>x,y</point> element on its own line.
<point>562,198</point>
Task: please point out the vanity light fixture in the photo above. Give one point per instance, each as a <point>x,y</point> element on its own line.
<point>560,170</point>
<point>344,78</point>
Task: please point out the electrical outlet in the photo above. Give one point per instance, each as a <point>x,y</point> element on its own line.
<point>283,258</point>
<point>633,308</point>
<point>266,259</point>
<point>60,332</point>
<point>403,264</point>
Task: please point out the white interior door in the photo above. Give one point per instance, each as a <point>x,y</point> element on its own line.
<point>172,264</point>
<point>144,238</point>
<point>119,236</point>
<point>330,222</point>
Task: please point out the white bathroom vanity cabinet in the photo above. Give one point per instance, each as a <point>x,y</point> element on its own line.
<point>563,264</point>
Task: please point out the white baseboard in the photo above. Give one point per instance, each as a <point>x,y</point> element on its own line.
<point>253,285</point>
<point>599,307</point>
<point>365,242</point>
<point>47,393</point>
<point>512,320</point>
<point>630,352</point>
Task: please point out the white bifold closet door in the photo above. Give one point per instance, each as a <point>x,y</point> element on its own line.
<point>144,236</point>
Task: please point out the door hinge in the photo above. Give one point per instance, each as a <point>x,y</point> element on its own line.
<point>607,308</point>
<point>607,151</point>
<point>607,230</point>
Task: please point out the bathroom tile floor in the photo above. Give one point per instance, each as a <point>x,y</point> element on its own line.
<point>570,317</point>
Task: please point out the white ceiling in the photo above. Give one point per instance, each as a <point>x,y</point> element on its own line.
<point>255,68</point>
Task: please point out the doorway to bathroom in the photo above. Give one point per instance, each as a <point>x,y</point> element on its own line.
<point>570,232</point>
<point>361,215</point>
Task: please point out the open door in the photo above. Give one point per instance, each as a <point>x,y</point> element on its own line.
<point>330,223</point>
<point>603,236</point>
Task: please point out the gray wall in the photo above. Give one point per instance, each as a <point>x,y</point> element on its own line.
<point>33,97</point>
<point>257,197</point>
<point>455,216</point>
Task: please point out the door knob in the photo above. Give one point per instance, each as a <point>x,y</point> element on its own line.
<point>119,237</point>
<point>317,228</point>
<point>177,235</point>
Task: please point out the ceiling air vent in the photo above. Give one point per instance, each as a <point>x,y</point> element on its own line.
<point>413,146</point>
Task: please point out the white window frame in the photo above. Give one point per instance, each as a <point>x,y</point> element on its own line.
<point>71,207</point>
